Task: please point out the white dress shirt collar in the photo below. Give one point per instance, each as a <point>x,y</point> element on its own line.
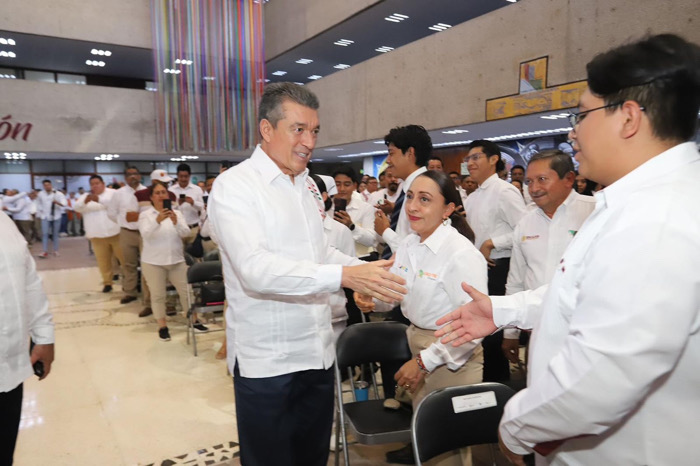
<point>435,241</point>
<point>658,166</point>
<point>268,168</point>
<point>409,179</point>
<point>488,182</point>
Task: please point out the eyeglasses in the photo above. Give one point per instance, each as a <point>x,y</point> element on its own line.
<point>474,157</point>
<point>575,118</point>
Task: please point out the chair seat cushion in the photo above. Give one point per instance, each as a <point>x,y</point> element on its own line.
<point>372,424</point>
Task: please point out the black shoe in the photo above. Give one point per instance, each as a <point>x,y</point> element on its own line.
<point>170,311</point>
<point>199,327</point>
<point>107,289</point>
<point>164,334</point>
<point>127,299</point>
<point>115,277</point>
<point>401,456</point>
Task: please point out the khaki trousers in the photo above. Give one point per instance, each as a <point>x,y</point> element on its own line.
<point>131,244</point>
<point>442,377</point>
<point>158,277</point>
<point>25,227</point>
<point>104,249</point>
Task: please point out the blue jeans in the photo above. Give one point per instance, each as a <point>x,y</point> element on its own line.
<point>54,226</point>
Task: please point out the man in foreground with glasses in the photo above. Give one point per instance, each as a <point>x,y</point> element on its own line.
<point>493,211</point>
<point>615,350</point>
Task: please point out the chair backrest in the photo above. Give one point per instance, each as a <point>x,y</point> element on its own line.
<point>372,342</point>
<point>204,272</point>
<point>457,417</point>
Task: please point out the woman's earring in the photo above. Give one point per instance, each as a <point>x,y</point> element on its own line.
<point>446,221</point>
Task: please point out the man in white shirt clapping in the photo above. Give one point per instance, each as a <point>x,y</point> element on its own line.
<point>102,231</point>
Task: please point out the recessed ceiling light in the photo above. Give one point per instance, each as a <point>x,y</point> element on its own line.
<point>384,49</point>
<point>344,42</point>
<point>378,142</point>
<point>315,76</point>
<point>279,73</point>
<point>440,27</point>
<point>396,18</point>
<point>333,149</point>
<point>304,61</point>
<point>11,42</point>
<point>3,41</point>
<point>300,84</point>
<point>455,131</point>
<point>341,66</point>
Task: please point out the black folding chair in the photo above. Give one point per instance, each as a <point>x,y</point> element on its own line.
<point>209,293</point>
<point>369,422</point>
<point>458,417</point>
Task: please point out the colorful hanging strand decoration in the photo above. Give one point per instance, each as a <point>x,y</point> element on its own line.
<point>210,73</point>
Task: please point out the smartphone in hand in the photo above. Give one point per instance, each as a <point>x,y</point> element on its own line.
<point>167,204</point>
<point>37,366</point>
<point>340,204</point>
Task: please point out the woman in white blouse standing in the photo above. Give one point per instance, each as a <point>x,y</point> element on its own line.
<point>162,258</point>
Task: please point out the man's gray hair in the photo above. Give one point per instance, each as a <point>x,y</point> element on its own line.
<point>275,94</point>
<point>559,161</point>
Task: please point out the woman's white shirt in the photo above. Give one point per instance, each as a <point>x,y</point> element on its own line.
<point>434,271</point>
<point>162,242</point>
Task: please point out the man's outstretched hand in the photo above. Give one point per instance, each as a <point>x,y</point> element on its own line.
<point>375,280</point>
<point>469,321</point>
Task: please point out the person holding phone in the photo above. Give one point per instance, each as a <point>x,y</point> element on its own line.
<point>24,314</point>
<point>189,200</point>
<point>162,259</point>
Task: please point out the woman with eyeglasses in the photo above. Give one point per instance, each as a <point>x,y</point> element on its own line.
<point>434,261</point>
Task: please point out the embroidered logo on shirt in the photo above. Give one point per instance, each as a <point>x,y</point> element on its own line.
<point>404,268</point>
<point>527,238</point>
<point>428,275</point>
<point>573,232</point>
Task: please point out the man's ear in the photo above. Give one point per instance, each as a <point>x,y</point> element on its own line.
<point>266,129</point>
<point>633,118</point>
<point>411,154</point>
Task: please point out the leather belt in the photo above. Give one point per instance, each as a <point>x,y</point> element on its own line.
<point>194,225</point>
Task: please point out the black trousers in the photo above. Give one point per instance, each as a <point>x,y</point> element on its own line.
<point>10,412</point>
<point>285,420</point>
<point>496,367</point>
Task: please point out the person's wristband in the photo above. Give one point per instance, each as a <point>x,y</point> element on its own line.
<point>421,366</point>
<point>352,227</point>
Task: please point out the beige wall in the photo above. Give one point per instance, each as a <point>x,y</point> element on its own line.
<point>290,22</point>
<point>74,118</point>
<point>444,80</point>
<point>122,22</point>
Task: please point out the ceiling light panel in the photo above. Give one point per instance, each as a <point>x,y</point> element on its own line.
<point>341,66</point>
<point>344,42</point>
<point>279,73</point>
<point>6,54</point>
<point>396,18</point>
<point>4,41</point>
<point>315,77</point>
<point>304,61</point>
<point>439,27</point>
<point>384,49</point>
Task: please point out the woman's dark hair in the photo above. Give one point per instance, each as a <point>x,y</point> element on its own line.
<point>323,189</point>
<point>449,192</point>
<point>153,185</point>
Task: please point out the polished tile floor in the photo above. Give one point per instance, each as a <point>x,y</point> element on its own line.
<point>117,395</point>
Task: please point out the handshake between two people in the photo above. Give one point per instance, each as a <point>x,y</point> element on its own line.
<point>466,323</point>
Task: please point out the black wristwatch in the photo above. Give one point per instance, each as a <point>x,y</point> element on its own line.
<point>352,227</point>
